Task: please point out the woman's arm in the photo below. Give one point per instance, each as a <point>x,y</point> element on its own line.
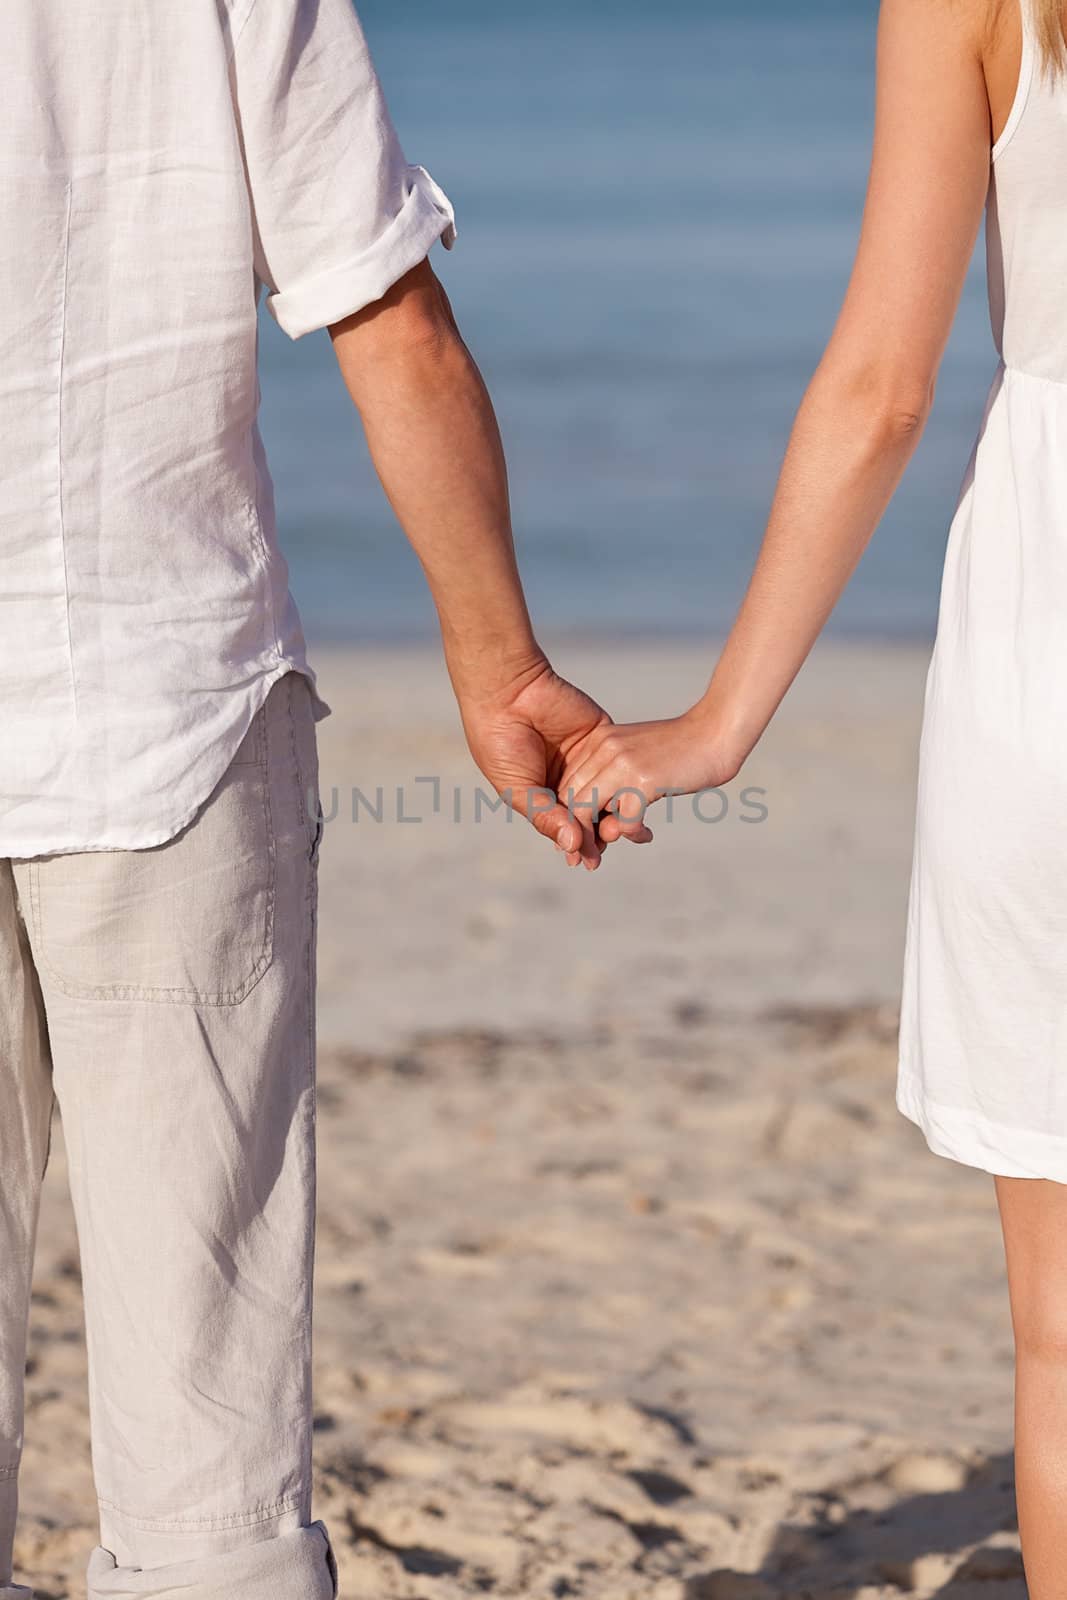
<point>863,412</point>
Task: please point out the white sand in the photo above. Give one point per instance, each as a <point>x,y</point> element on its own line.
<point>631,1281</point>
<point>430,924</point>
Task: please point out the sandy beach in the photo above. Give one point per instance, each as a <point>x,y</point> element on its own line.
<point>631,1280</point>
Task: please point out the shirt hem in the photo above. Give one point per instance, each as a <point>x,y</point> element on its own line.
<point>226,749</point>
<point>974,1140</point>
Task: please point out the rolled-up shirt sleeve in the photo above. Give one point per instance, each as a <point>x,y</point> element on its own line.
<point>339,213</point>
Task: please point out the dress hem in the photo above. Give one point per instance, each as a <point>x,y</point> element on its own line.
<point>976,1141</point>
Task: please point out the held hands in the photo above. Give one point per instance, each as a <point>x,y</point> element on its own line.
<point>582,780</point>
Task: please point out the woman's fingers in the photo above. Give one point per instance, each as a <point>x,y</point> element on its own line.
<point>605,815</point>
<point>604,797</point>
<point>611,831</point>
<point>613,803</point>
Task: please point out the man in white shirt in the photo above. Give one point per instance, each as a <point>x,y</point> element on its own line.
<point>162,164</point>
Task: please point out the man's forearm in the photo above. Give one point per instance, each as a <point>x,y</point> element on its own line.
<point>435,444</point>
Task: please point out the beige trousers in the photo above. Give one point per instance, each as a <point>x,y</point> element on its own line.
<point>166,998</point>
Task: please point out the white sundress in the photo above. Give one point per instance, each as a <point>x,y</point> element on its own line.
<point>983,1037</point>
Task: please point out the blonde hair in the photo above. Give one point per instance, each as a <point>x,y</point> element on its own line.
<point>1048,21</point>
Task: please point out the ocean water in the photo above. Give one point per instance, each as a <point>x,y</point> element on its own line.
<point>658,206</point>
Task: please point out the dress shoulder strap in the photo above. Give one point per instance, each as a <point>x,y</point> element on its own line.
<point>1028,71</point>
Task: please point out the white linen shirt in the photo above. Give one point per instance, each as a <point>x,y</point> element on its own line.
<point>163,162</point>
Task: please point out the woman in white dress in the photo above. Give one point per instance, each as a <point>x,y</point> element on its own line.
<point>971,113</point>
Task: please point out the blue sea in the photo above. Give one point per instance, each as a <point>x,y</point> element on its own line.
<point>658,206</point>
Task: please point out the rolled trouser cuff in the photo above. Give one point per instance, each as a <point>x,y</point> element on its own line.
<point>295,1566</point>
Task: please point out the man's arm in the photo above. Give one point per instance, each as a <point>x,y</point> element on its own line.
<point>435,444</point>
<point>436,447</point>
<point>339,215</point>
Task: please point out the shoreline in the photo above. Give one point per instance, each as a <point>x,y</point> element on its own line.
<point>596,636</point>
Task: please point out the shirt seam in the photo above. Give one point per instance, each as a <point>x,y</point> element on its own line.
<point>60,386</point>
<point>236,32</point>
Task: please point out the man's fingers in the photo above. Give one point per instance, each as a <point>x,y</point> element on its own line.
<point>577,839</point>
<point>555,822</point>
<point>570,834</point>
<point>591,848</point>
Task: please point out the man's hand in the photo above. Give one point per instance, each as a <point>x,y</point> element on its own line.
<point>524,740</point>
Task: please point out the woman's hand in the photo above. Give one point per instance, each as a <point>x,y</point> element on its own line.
<point>525,738</point>
<point>616,771</point>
